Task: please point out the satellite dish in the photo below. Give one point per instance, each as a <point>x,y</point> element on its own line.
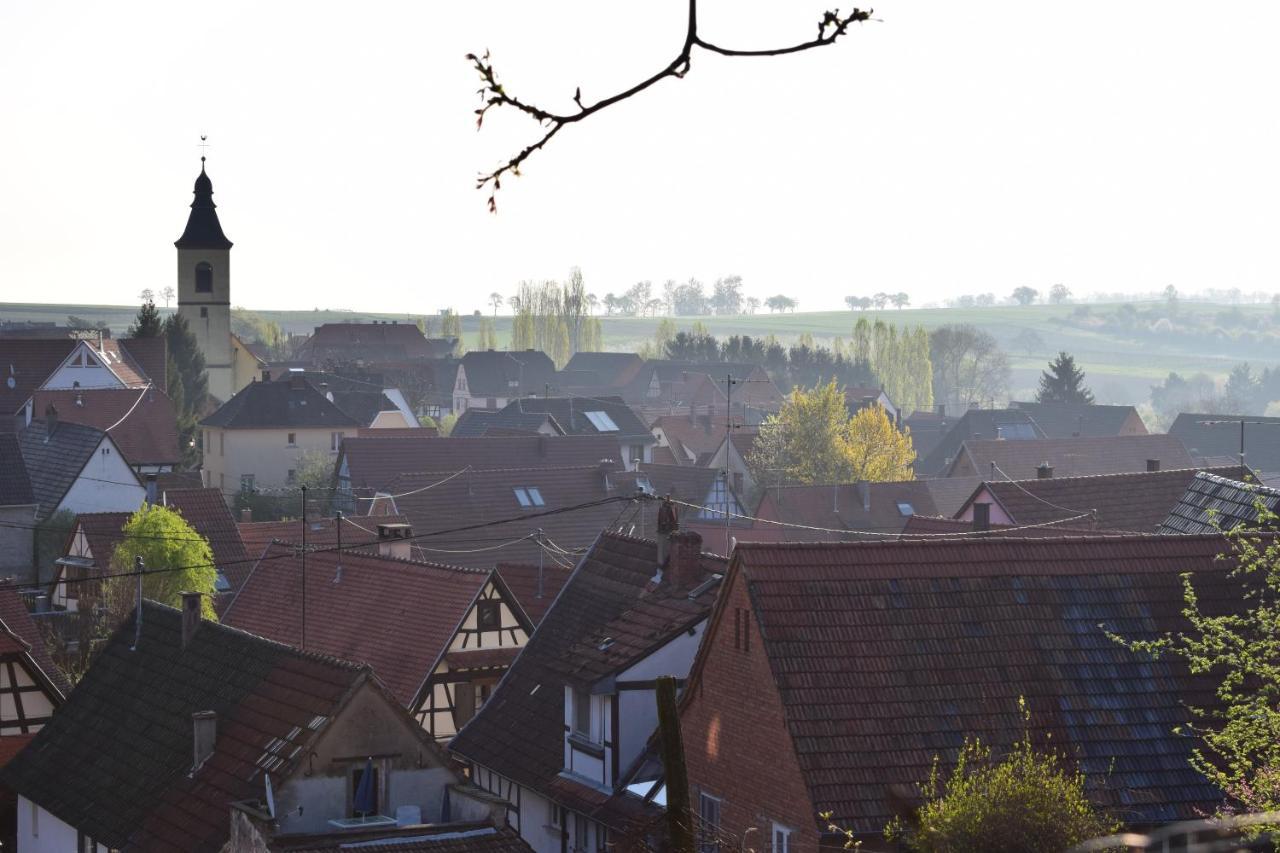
<point>271,797</point>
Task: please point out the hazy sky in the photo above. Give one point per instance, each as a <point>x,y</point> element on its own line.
<point>954,147</point>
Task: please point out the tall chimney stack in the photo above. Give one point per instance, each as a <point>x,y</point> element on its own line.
<point>190,616</point>
<point>684,569</point>
<point>394,540</point>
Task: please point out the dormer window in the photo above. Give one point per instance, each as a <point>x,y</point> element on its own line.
<point>204,277</point>
<point>582,714</point>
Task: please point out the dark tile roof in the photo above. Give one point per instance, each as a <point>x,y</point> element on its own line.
<point>570,414</point>
<point>491,372</point>
<point>1213,501</point>
<point>1261,438</point>
<point>437,838</point>
<point>946,635</point>
<point>371,342</point>
<point>374,463</point>
<point>1137,502</point>
<point>207,513</point>
<point>115,761</point>
<point>397,616</point>
<point>698,434</point>
<point>55,461</point>
<point>178,480</point>
<point>948,434</point>
<point>608,369</point>
<point>277,405</point>
<point>143,422</point>
<point>474,423</point>
<point>533,594</point>
<point>27,363</point>
<point>150,356</point>
<point>682,482</point>
<point>439,501</point>
<point>15,619</point>
<point>606,597</point>
<point>15,485</point>
<point>203,230</point>
<point>1074,457</point>
<point>1064,420</point>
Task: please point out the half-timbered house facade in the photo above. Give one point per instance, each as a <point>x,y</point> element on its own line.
<point>440,637</point>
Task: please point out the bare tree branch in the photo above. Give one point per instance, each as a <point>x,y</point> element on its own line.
<point>492,94</point>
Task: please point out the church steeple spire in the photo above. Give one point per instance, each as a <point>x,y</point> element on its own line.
<point>203,230</point>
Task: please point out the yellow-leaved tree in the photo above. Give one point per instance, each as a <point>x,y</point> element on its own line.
<point>815,440</point>
<point>176,558</point>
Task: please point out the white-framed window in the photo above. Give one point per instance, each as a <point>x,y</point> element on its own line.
<point>781,838</point>
<point>582,722</point>
<point>708,823</point>
<point>553,815</point>
<point>719,500</point>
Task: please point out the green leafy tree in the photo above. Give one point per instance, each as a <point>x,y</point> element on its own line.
<point>177,558</point>
<point>1028,801</point>
<point>51,539</point>
<point>1240,650</point>
<point>1063,382</point>
<point>147,323</point>
<point>1025,295</point>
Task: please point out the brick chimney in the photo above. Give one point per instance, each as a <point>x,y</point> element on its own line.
<point>981,516</point>
<point>246,515</point>
<point>394,540</point>
<point>190,616</point>
<point>1044,471</point>
<point>1153,465</point>
<point>684,569</point>
<point>204,725</point>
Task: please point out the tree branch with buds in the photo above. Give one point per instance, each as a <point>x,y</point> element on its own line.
<point>493,95</point>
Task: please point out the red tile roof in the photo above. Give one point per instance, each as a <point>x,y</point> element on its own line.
<point>1138,502</point>
<point>875,508</point>
<point>321,532</point>
<point>206,511</point>
<point>523,581</point>
<point>142,421</point>
<point>887,654</point>
<point>17,621</point>
<point>608,596</point>
<point>1072,457</point>
<point>28,362</point>
<point>373,463</point>
<point>397,616</point>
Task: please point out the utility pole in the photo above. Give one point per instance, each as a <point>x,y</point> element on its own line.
<point>680,835</point>
<point>303,643</point>
<point>138,567</point>
<point>1241,422</point>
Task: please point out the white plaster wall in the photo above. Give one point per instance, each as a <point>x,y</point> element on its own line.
<point>998,515</point>
<point>107,484</point>
<point>535,820</point>
<point>394,395</point>
<point>47,835</point>
<point>638,709</point>
<point>264,453</point>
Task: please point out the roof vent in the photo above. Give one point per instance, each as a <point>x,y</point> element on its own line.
<point>1044,471</point>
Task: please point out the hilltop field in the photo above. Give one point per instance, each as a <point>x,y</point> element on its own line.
<point>1123,348</point>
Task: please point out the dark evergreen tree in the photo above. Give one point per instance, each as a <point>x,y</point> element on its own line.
<point>1063,382</point>
<point>148,323</point>
<point>188,385</point>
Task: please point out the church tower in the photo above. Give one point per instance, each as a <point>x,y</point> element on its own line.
<point>204,286</point>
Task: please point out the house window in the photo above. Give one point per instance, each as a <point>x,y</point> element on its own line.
<point>581,831</point>
<point>246,482</point>
<point>488,616</point>
<point>291,477</point>
<point>553,815</point>
<point>717,500</point>
<point>637,453</point>
<point>204,313</point>
<point>357,774</point>
<point>335,441</point>
<point>708,823</point>
<point>204,279</point>
<point>781,839</point>
<point>582,713</point>
<point>292,440</point>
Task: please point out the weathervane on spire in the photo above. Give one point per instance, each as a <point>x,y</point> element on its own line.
<point>204,149</point>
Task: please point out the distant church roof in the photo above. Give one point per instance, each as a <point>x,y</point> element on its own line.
<point>203,229</point>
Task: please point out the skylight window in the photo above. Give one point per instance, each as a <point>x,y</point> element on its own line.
<point>529,496</point>
<point>602,422</point>
<point>906,509</point>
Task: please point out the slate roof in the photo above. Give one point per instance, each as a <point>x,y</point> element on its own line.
<point>1261,439</point>
<point>1137,502</point>
<point>522,580</point>
<point>570,414</point>
<point>397,616</point>
<point>490,372</point>
<point>605,597</point>
<point>489,497</point>
<point>279,405</point>
<point>115,761</point>
<point>1065,420</point>
<point>143,422</point>
<point>206,511</point>
<point>15,485</point>
<point>373,463</point>
<point>27,363</point>
<point>15,619</point>
<point>474,423</point>
<point>938,441</point>
<point>438,838</point>
<point>55,461</point>
<point>203,230</point>
<point>945,636</point>
<point>1215,502</point>
<point>1074,457</point>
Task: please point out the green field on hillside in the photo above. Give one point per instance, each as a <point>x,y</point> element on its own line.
<point>1121,368</point>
